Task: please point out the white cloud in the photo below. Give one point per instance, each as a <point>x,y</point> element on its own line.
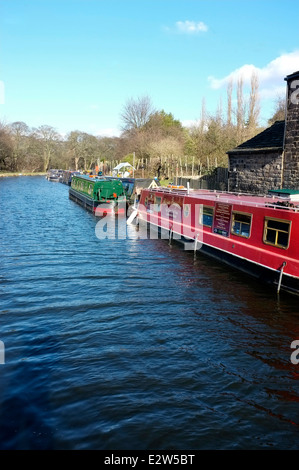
<point>271,76</point>
<point>109,132</point>
<point>245,72</point>
<point>191,27</point>
<point>190,122</point>
<point>103,131</point>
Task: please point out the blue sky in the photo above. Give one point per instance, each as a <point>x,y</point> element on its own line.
<point>73,64</point>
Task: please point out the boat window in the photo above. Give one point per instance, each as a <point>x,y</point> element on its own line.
<point>206,216</point>
<point>157,204</point>
<point>277,232</point>
<point>241,224</point>
<point>128,187</point>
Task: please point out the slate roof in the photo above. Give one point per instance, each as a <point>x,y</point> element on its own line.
<point>293,75</point>
<point>268,140</point>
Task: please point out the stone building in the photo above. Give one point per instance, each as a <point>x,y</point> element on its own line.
<point>291,140</point>
<point>270,160</point>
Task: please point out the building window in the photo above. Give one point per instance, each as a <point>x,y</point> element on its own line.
<point>241,224</point>
<point>206,216</point>
<point>277,232</point>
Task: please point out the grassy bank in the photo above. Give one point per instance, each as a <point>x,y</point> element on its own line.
<point>8,173</point>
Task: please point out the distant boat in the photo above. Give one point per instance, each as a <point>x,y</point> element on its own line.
<point>67,176</point>
<point>98,194</point>
<point>255,234</point>
<point>54,175</point>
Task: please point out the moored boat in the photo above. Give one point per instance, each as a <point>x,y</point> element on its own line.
<point>54,175</point>
<point>67,176</point>
<point>98,195</point>
<point>256,234</point>
<point>133,187</point>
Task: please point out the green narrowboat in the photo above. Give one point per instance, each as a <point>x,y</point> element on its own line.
<point>98,194</point>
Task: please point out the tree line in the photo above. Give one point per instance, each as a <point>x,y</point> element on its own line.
<point>153,140</point>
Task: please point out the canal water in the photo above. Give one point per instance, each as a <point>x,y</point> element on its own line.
<point>130,343</point>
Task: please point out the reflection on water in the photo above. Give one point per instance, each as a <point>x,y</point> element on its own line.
<point>133,344</point>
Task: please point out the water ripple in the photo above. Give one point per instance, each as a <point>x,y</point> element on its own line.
<point>132,344</point>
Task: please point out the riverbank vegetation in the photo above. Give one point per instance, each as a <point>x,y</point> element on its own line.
<point>153,140</point>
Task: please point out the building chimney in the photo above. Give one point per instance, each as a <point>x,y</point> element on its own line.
<point>291,138</point>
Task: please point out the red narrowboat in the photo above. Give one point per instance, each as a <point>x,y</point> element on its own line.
<point>257,234</point>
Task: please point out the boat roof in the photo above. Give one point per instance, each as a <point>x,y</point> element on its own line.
<point>284,192</point>
<point>245,199</point>
<point>95,178</point>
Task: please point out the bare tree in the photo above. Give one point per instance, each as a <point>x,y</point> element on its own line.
<point>254,106</point>
<point>219,113</point>
<point>82,148</point>
<point>49,138</point>
<point>166,147</point>
<point>229,102</point>
<point>73,145</point>
<point>89,147</point>
<point>240,106</point>
<point>19,131</point>
<point>6,148</point>
<point>203,115</point>
<point>279,111</point>
<point>136,113</point>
